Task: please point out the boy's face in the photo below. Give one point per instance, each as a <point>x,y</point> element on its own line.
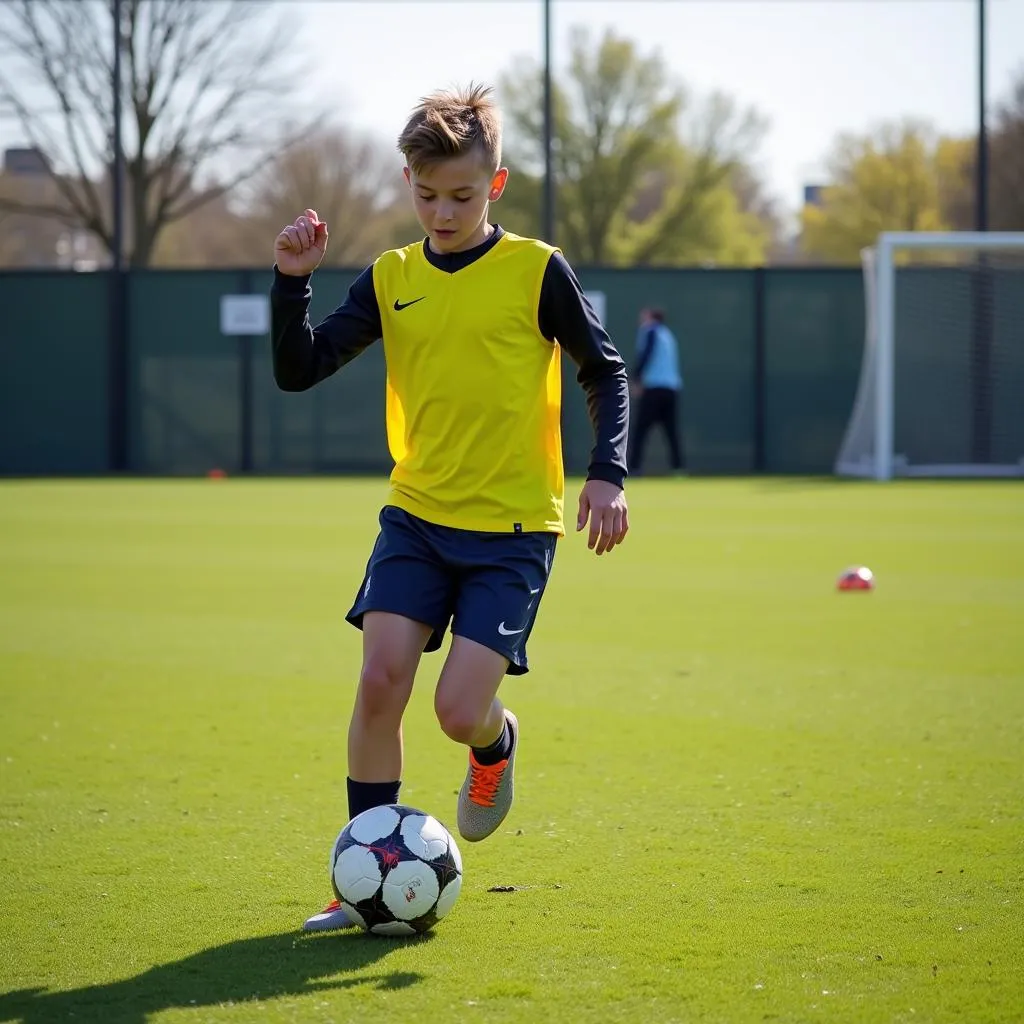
<point>451,200</point>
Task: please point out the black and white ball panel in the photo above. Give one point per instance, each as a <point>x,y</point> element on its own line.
<point>374,824</point>
<point>449,894</point>
<point>410,890</point>
<point>359,867</point>
<point>424,837</point>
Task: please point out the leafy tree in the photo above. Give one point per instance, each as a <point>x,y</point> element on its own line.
<point>644,174</point>
<point>905,177</point>
<point>886,181</point>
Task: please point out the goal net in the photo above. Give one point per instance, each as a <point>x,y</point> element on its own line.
<point>941,389</point>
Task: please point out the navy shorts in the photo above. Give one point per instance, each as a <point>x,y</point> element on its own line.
<point>488,585</point>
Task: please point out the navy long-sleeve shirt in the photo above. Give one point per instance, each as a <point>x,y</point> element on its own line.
<point>304,355</point>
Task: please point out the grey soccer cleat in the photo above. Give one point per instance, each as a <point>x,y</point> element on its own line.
<point>331,918</point>
<point>486,795</point>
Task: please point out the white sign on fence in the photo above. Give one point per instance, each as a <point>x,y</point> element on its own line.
<point>244,314</point>
<point>597,300</point>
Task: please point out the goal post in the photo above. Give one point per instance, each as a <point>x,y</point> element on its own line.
<point>941,389</point>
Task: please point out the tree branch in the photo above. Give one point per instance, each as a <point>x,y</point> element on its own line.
<point>30,37</point>
<point>196,84</point>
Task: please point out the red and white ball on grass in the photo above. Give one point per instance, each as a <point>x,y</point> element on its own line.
<point>856,577</point>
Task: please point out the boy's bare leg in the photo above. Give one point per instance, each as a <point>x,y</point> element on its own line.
<point>392,647</point>
<point>468,708</point>
<point>466,701</point>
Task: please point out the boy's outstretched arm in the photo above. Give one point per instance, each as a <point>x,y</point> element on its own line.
<point>566,316</point>
<point>304,355</point>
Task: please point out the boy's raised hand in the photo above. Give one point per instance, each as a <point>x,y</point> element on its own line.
<point>300,247</point>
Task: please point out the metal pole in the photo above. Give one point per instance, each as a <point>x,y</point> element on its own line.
<point>118,377</point>
<point>549,170</point>
<point>760,390</point>
<point>118,179</point>
<point>981,279</point>
<point>245,345</point>
<point>981,176</point>
<point>885,360</point>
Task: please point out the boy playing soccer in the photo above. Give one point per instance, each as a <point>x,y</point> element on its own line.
<point>473,319</point>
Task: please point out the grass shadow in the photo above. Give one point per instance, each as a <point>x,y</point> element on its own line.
<point>247,970</point>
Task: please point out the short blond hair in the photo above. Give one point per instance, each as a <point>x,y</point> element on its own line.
<point>451,123</point>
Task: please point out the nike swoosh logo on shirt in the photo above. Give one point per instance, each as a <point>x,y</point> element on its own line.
<point>399,306</point>
<point>508,632</point>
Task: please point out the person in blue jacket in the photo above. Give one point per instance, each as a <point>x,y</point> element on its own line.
<point>658,385</point>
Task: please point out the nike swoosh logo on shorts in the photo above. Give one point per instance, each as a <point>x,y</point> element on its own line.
<point>508,632</point>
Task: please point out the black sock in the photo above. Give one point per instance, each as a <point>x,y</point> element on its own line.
<point>498,750</point>
<point>364,795</point>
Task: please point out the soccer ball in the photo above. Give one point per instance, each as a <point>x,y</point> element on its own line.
<point>396,870</point>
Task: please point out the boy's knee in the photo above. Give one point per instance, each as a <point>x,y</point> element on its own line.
<point>383,687</point>
<point>458,721</point>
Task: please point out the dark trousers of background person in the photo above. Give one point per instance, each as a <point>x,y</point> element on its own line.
<point>658,407</point>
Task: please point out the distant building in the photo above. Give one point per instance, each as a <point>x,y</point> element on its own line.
<point>814,195</point>
<point>25,161</point>
<point>40,241</point>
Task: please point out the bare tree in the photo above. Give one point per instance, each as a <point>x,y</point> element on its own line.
<point>959,166</point>
<point>206,91</point>
<point>353,182</point>
<point>754,199</point>
<point>1007,160</point>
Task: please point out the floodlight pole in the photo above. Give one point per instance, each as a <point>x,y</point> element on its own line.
<point>117,399</point>
<point>549,170</point>
<point>981,278</point>
<point>118,146</point>
<point>981,174</point>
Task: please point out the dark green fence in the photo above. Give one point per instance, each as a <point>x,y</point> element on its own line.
<point>770,358</point>
<point>54,405</point>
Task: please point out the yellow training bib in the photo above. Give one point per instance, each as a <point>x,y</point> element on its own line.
<point>473,389</point>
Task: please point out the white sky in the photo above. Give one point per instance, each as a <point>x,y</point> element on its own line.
<point>813,67</point>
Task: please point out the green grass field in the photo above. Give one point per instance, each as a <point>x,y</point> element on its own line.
<point>741,795</point>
